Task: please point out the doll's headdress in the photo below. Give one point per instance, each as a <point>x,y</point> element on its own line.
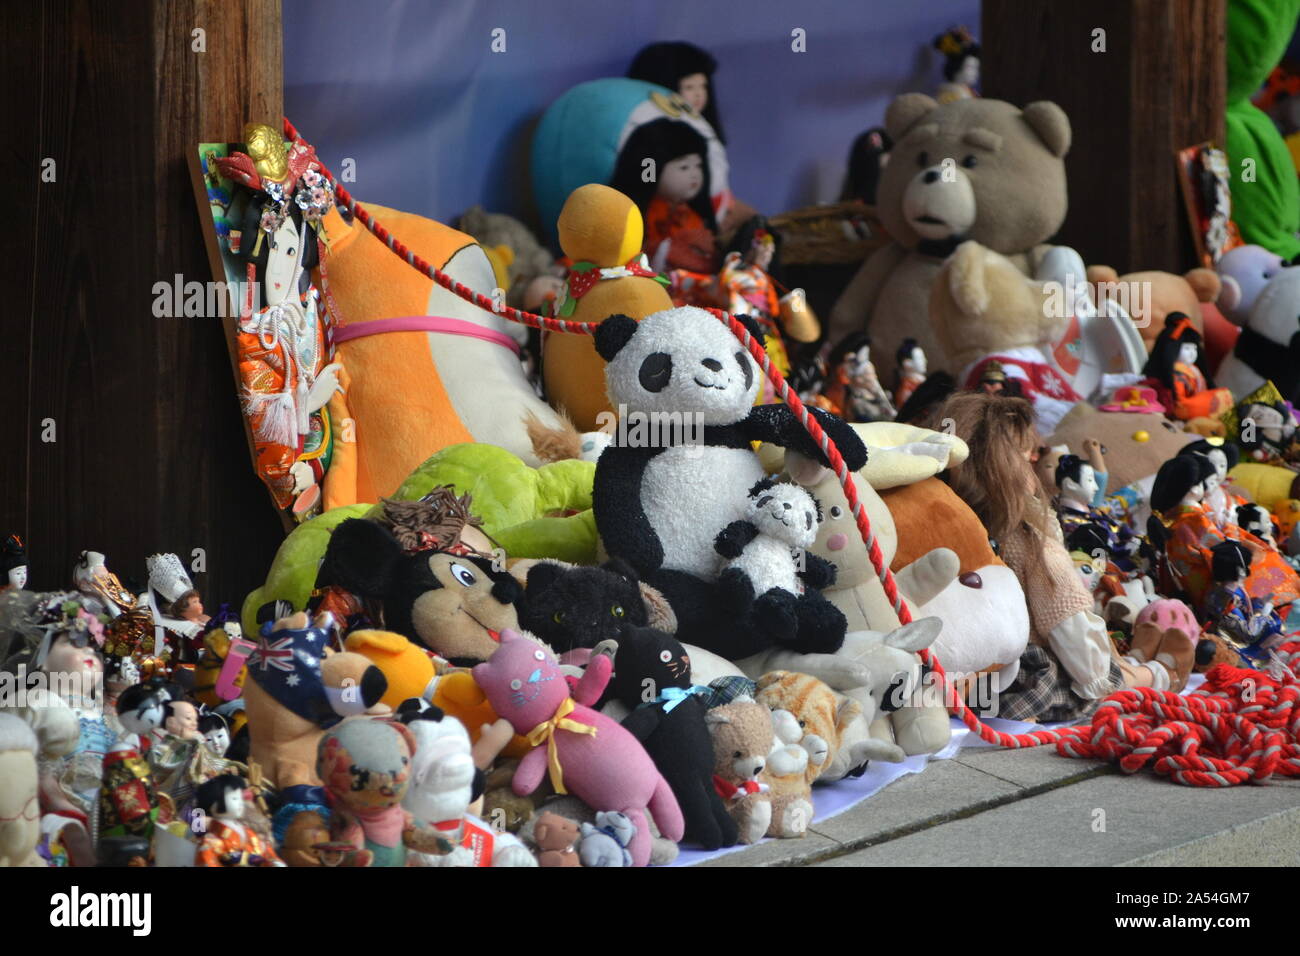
<point>167,576</point>
<point>13,554</point>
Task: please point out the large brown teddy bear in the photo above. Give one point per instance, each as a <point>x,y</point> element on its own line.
<point>600,229</point>
<point>1167,293</point>
<point>976,169</point>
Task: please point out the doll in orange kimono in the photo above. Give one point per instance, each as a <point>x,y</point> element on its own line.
<point>680,229</point>
<point>1177,495</point>
<point>229,840</point>
<point>1177,365</point>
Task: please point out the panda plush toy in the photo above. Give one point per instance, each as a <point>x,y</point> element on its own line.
<point>681,464</point>
<point>769,569</point>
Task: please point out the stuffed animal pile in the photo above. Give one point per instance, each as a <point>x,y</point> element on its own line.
<point>633,611</point>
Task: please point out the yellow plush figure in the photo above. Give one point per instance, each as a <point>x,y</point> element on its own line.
<point>408,670</point>
<point>1267,485</point>
<point>600,232</point>
<point>457,695</point>
<point>424,368</point>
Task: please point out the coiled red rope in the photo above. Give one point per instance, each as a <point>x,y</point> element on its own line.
<point>1203,739</point>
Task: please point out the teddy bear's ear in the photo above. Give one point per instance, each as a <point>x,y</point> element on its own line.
<point>715,718</point>
<point>905,112</point>
<point>614,333</point>
<point>1205,283</point>
<point>1051,124</point>
<point>361,556</point>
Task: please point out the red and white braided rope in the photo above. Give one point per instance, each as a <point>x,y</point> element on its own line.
<point>1136,727</point>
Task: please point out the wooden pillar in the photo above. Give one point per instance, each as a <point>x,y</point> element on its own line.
<point>1159,86</point>
<point>122,431</point>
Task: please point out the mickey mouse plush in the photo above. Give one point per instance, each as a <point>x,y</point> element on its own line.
<point>660,504</point>
<point>453,602</point>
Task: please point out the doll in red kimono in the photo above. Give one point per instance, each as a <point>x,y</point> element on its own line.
<point>1177,365</point>
<point>229,840</point>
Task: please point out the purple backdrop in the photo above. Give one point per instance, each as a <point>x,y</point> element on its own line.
<point>436,122</point>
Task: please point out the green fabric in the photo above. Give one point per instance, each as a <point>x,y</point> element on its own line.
<point>1266,210</point>
<point>526,510</point>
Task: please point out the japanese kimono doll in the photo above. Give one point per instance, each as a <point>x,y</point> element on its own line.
<point>285,347</point>
<point>1177,364</point>
<point>1178,495</point>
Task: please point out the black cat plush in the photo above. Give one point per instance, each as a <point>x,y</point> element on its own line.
<point>652,676</point>
<point>570,607</point>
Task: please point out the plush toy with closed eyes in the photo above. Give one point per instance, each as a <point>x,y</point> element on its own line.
<point>452,602</point>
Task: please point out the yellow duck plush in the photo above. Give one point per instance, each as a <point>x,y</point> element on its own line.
<point>599,228</point>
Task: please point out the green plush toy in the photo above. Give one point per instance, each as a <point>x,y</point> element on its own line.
<point>1266,205</point>
<point>530,512</point>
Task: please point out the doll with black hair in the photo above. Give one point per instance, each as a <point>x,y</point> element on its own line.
<point>1220,504</point>
<point>867,158</point>
<point>128,801</point>
<point>1077,488</point>
<point>1267,432</point>
<point>228,839</point>
<point>910,368</point>
<point>1249,622</point>
<point>961,65</point>
<point>685,69</point>
<point>748,280</point>
<point>1177,365</point>
<point>286,365</point>
<point>13,564</point>
<point>854,389</point>
<point>1177,497</point>
<point>663,168</point>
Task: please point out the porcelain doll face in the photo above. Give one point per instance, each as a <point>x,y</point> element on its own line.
<point>128,673</point>
<point>217,741</point>
<point>1220,462</point>
<point>1083,490</point>
<point>281,262</point>
<point>858,363</point>
<point>969,74</point>
<point>1195,494</point>
<point>915,362</point>
<point>146,718</point>
<point>18,577</point>
<point>681,179</point>
<point>235,804</point>
<point>694,89</point>
<point>1187,353</point>
<point>75,655</point>
<point>761,254</point>
<point>192,609</point>
<point>184,720</point>
<point>1089,571</point>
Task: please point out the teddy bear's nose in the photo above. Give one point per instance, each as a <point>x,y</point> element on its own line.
<point>785,505</point>
<point>931,176</point>
<point>713,365</point>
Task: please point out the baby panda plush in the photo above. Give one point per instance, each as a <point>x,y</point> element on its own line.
<point>453,604</point>
<point>681,462</point>
<point>768,562</point>
<point>569,608</point>
<point>652,676</point>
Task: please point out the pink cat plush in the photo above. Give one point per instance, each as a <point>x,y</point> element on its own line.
<point>585,752</point>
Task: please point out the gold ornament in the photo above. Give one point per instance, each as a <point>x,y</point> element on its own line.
<point>266,149</point>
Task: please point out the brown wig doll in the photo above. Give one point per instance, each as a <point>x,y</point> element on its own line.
<point>1071,663</point>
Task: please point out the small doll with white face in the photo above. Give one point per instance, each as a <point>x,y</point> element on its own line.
<point>227,839</point>
<point>1077,488</point>
<point>216,733</point>
<point>1249,622</point>
<point>1177,362</point>
<point>1220,504</point>
<point>13,564</point>
<point>856,387</point>
<point>680,227</point>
